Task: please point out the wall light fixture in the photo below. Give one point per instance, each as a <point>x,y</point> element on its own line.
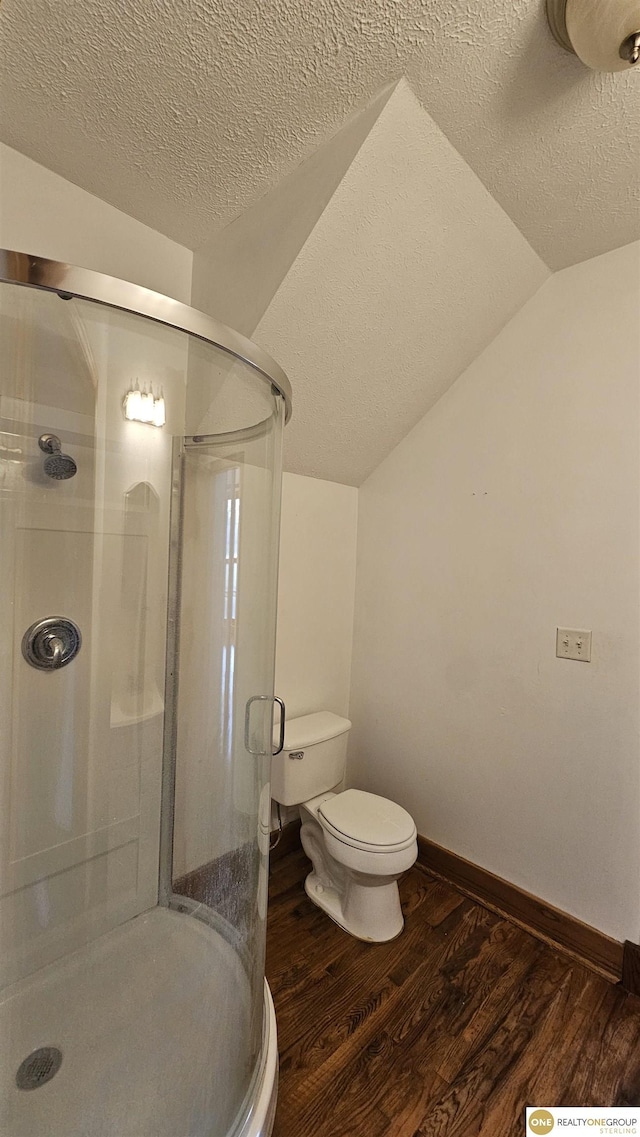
<point>143,406</point>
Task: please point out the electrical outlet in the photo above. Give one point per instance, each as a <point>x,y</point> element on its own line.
<point>572,644</point>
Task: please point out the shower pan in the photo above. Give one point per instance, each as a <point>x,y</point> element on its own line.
<point>140,466</point>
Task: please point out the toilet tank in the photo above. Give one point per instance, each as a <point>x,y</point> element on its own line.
<point>313,759</point>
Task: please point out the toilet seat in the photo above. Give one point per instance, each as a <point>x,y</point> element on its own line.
<point>368,822</point>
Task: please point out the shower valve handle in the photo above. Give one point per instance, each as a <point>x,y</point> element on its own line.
<point>54,645</point>
<point>51,643</point>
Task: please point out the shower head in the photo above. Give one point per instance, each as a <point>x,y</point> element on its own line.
<point>57,465</point>
<point>60,466</point>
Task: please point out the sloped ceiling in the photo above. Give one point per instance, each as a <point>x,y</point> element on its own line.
<point>183,113</point>
<point>409,273</point>
<point>372,188</point>
<point>237,273</point>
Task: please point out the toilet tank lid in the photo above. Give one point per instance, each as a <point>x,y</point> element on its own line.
<point>310,729</point>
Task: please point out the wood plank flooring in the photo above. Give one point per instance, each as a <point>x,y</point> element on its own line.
<point>448,1031</point>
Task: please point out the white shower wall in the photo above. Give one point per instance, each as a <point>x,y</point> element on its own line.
<point>513,507</point>
<point>81,748</point>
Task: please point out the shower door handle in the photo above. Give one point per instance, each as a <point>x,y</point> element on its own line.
<point>283,712</point>
<point>247,720</point>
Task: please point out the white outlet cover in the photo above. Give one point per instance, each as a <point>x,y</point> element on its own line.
<point>573,643</point>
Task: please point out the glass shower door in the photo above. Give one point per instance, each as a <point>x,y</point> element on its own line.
<point>134,796</point>
<point>230,493</point>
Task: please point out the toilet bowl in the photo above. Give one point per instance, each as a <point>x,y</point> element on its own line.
<point>358,843</point>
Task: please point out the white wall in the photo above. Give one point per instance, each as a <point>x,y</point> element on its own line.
<point>43,214</point>
<point>511,508</point>
<point>316,595</point>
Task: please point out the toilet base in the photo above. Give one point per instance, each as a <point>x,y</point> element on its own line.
<point>368,909</point>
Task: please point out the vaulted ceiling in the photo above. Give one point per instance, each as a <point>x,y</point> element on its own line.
<point>409,272</point>
<point>183,113</point>
<point>372,187</point>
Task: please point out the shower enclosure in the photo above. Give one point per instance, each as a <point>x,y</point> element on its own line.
<point>140,462</point>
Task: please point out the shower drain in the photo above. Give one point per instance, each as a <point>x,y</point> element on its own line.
<point>38,1068</point>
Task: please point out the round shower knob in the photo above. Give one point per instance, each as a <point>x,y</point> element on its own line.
<point>51,643</point>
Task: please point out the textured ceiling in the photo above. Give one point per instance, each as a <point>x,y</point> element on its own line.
<point>183,113</point>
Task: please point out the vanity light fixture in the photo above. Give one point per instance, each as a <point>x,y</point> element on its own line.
<point>604,34</point>
<point>143,406</point>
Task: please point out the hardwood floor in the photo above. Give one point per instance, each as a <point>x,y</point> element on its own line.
<point>448,1031</point>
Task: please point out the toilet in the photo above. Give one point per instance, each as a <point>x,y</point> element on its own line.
<point>358,843</point>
